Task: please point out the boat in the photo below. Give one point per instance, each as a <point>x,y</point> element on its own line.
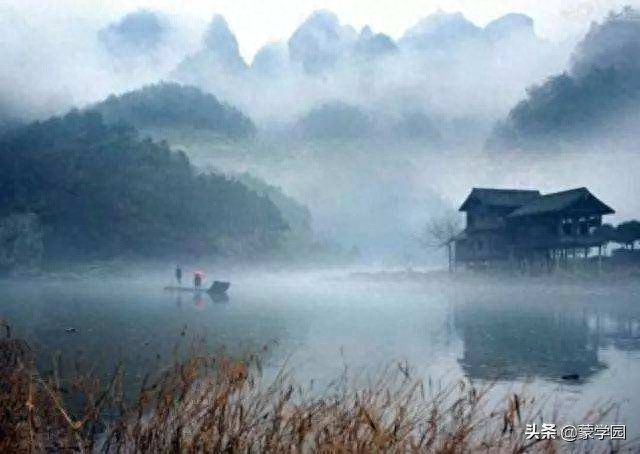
<point>217,288</point>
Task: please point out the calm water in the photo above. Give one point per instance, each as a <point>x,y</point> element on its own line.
<point>522,334</point>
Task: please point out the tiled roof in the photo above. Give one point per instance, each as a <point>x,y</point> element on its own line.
<point>507,198</point>
<point>559,201</point>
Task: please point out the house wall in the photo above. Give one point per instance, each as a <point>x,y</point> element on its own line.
<point>482,246</point>
<point>482,217</point>
<point>556,231</point>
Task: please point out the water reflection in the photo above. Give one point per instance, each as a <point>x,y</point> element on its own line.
<point>484,330</point>
<point>201,300</point>
<point>509,344</point>
<point>544,333</point>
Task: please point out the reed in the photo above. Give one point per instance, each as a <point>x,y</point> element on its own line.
<point>218,404</point>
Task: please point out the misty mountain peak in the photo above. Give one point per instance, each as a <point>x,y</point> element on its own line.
<point>270,59</point>
<point>366,32</point>
<point>220,39</point>
<point>139,31</point>
<point>441,28</point>
<point>615,43</point>
<point>510,25</point>
<point>219,56</point>
<point>320,41</point>
<point>370,44</point>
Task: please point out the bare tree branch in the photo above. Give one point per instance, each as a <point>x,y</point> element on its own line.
<point>441,232</point>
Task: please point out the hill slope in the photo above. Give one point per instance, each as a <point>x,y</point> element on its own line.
<point>175,106</point>
<point>99,191</point>
<point>596,99</point>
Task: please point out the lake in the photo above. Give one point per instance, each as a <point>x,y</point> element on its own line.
<point>519,334</point>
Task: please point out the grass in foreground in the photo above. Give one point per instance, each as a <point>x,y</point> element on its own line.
<point>216,404</point>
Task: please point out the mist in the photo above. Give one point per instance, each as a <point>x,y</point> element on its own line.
<point>375,136</point>
<point>446,207</point>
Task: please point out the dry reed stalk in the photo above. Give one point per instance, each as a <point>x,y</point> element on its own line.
<point>217,404</point>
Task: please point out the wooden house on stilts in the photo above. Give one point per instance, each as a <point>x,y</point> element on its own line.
<point>527,228</point>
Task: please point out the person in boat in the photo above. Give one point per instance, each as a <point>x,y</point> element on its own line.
<point>197,279</point>
<point>179,274</point>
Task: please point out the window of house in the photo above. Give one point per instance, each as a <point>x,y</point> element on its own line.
<point>583,227</point>
<point>567,226</point>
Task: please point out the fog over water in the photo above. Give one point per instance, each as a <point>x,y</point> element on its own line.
<point>524,334</point>
<point>305,176</point>
<point>379,196</point>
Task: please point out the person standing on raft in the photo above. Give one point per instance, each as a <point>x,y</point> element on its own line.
<point>179,274</point>
<point>197,279</point>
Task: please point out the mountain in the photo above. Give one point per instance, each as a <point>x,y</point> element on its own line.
<point>337,120</point>
<point>271,60</point>
<point>510,26</point>
<point>320,41</point>
<point>99,191</point>
<point>371,45</point>
<point>444,66</point>
<point>135,34</point>
<point>171,105</point>
<point>217,62</point>
<point>597,99</point>
<point>296,215</point>
<point>441,31</point>
<point>615,43</point>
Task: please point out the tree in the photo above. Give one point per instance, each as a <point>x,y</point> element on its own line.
<point>628,233</point>
<point>21,245</point>
<point>441,233</point>
<point>101,191</point>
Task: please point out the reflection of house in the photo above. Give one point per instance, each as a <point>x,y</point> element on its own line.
<point>523,225</point>
<point>508,344</point>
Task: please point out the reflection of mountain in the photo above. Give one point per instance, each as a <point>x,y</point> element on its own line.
<point>510,343</point>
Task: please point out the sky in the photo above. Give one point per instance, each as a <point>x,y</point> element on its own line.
<point>256,22</point>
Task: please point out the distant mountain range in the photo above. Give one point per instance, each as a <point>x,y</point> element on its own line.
<point>597,99</point>
<point>445,80</point>
<point>443,67</point>
<point>339,121</point>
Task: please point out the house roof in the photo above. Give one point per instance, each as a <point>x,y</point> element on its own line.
<point>507,198</point>
<point>558,201</point>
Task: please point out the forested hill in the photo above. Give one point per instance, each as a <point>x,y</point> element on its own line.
<point>99,191</point>
<point>173,105</point>
<point>596,99</point>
